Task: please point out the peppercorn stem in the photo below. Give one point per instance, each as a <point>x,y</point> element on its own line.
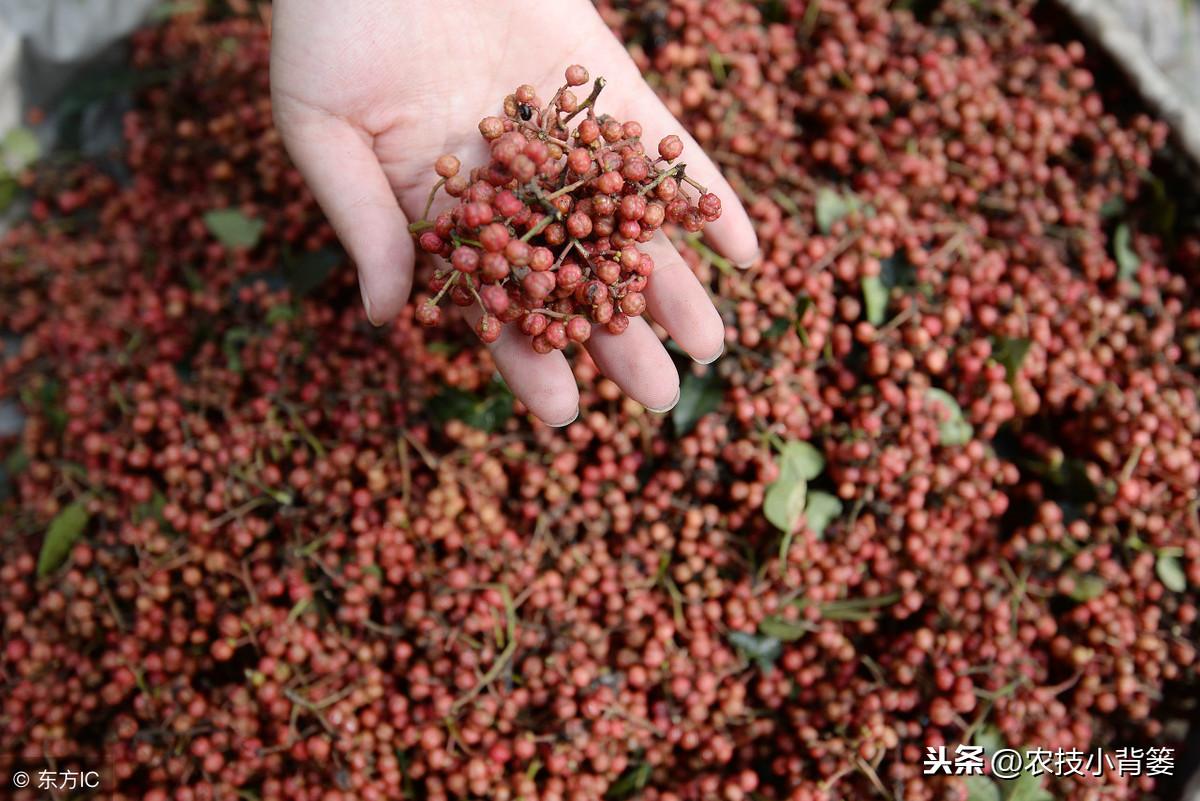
<point>457,240</point>
<point>662,176</point>
<point>699,188</point>
<point>475,295</point>
<point>564,253</point>
<point>537,229</point>
<point>436,299</point>
<point>545,137</point>
<point>432,194</point>
<point>591,99</point>
<point>569,187</point>
<point>545,201</point>
<point>582,252</point>
<point>550,106</point>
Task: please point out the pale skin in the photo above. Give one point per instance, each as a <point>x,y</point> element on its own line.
<point>368,93</point>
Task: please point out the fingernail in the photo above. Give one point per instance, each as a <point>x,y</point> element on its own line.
<point>366,303</point>
<point>574,417</point>
<point>666,408</point>
<point>746,265</point>
<point>720,352</point>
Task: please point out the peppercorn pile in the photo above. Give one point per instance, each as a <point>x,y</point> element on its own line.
<point>941,489</point>
<point>559,187</point>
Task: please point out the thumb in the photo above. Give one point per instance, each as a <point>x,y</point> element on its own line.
<point>337,161</point>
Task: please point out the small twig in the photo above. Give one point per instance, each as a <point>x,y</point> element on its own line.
<point>505,657</point>
<point>905,314</point>
<point>558,262</point>
<point>838,249</point>
<point>865,768</point>
<point>683,176</point>
<point>324,703</point>
<point>537,229</point>
<point>1131,463</point>
<point>436,299</point>
<point>462,240</point>
<point>597,86</point>
<point>428,458</point>
<point>238,511</point>
<point>662,176</point>
<point>570,187</point>
<point>540,134</point>
<point>432,194</point>
<point>405,473</point>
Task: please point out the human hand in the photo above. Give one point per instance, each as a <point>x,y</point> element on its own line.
<point>368,93</point>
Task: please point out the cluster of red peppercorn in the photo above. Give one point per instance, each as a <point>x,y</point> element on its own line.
<point>546,234</point>
<point>296,579</point>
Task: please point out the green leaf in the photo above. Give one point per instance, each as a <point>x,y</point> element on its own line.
<point>487,413</point>
<point>784,630</point>
<point>783,504</point>
<point>946,400</point>
<point>875,296</point>
<point>442,348</point>
<point>1025,787</point>
<point>1011,353</point>
<point>1170,572</point>
<point>232,344</point>
<point>897,271</point>
<point>150,509</point>
<point>990,738</point>
<point>821,509</point>
<point>1163,210</point>
<point>802,306</point>
<point>777,328</point>
<point>1113,207</point>
<point>1124,254</point>
<point>306,272</point>
<point>716,63</point>
<point>953,430</point>
<point>981,788</point>
<point>8,191</point>
<point>166,10</point>
<point>698,396</point>
<point>802,458</point>
<point>956,432</point>
<point>14,464</point>
<point>1087,587</point>
<point>762,649</point>
<point>19,148</point>
<point>46,398</point>
<point>832,205</point>
<point>1070,482</point>
<point>631,782</point>
<point>16,461</point>
<point>785,499</point>
<point>283,312</point>
<point>65,530</point>
<point>233,229</point>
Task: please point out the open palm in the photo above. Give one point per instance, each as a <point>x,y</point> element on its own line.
<point>368,93</point>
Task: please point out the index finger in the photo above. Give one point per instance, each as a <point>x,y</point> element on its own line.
<point>732,233</point>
